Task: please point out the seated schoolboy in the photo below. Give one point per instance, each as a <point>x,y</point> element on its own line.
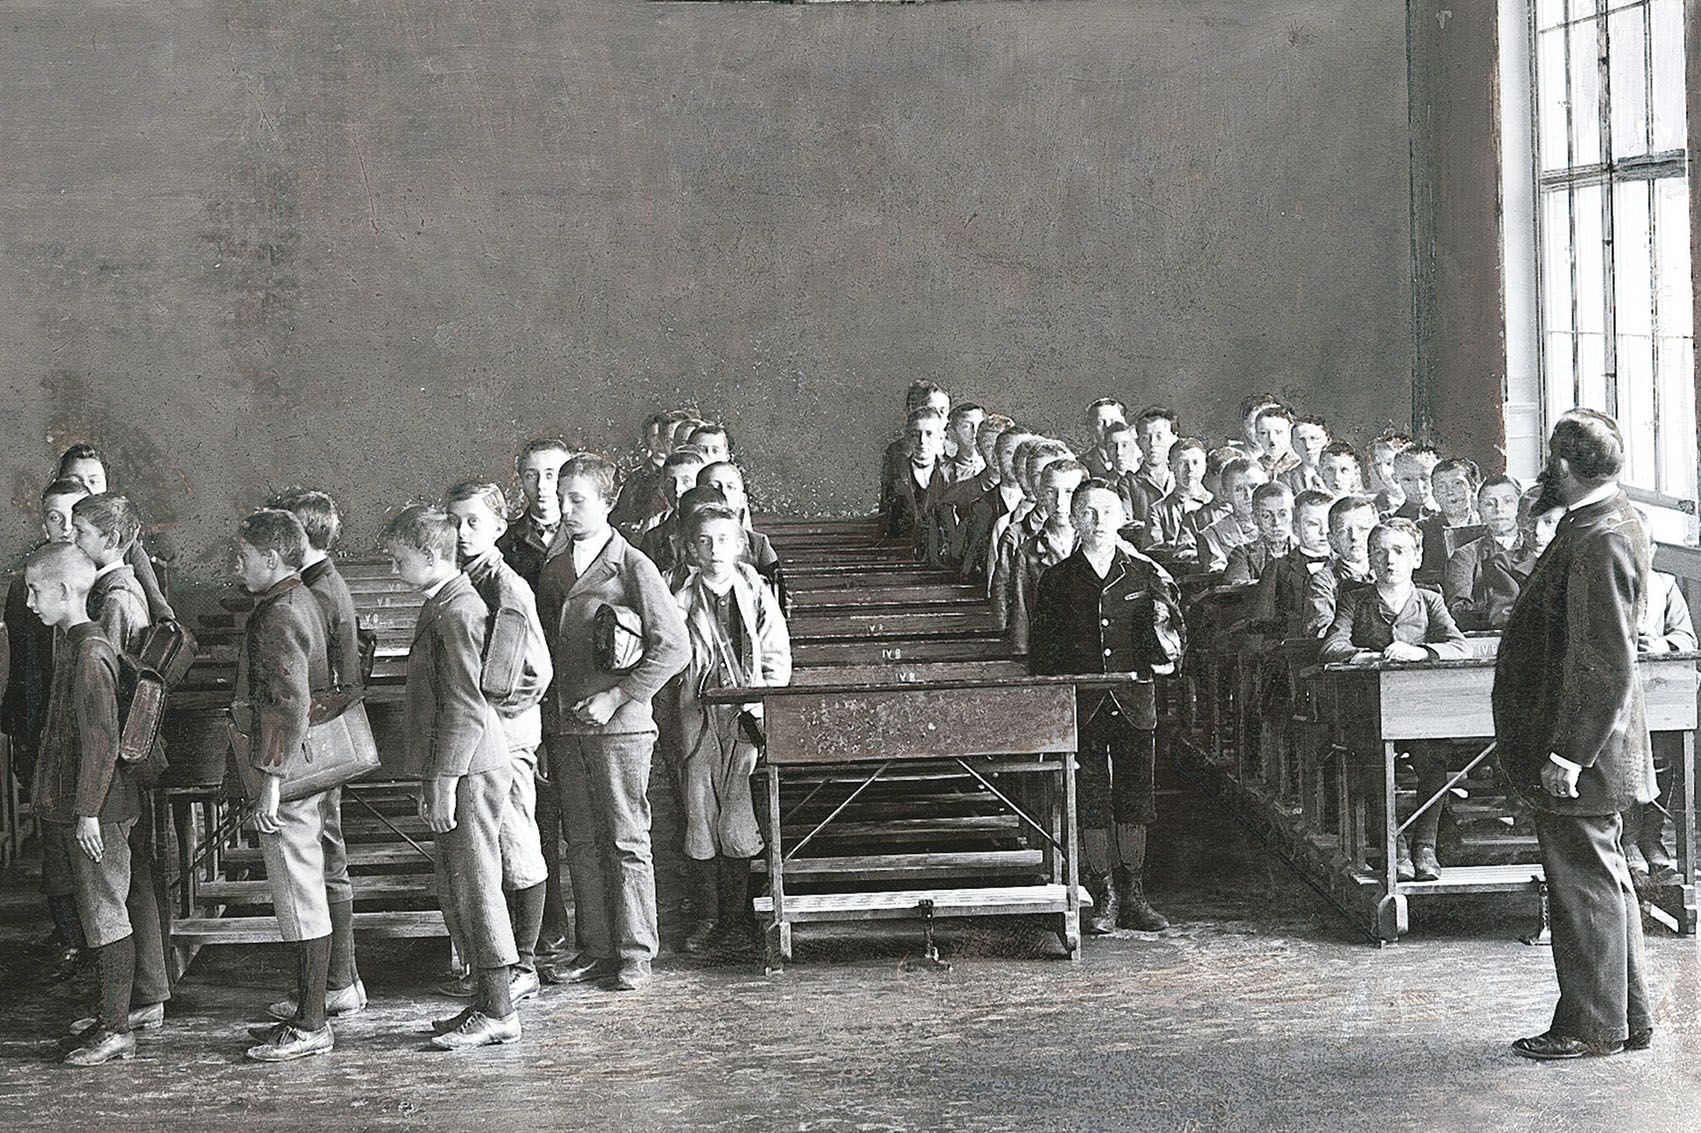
<point>1384,485</point>
<point>1174,519</point>
<point>86,800</point>
<point>1047,547</point>
<point>1272,512</point>
<point>983,520</point>
<point>962,459</point>
<point>1484,577</point>
<point>29,675</point>
<point>923,480</point>
<point>727,478</point>
<point>1310,438</point>
<point>679,475</point>
<point>1241,478</point>
<point>1102,414</point>
<point>1339,469</point>
<point>1100,611</point>
<point>1023,526</point>
<point>516,660</point>
<point>526,543</point>
<point>1275,438</point>
<point>1396,620</point>
<point>958,506</point>
<point>738,638</point>
<point>1414,474</point>
<point>1021,483</point>
<point>1250,444</point>
<point>1155,430</point>
<point>88,464</point>
<point>683,427</point>
<point>284,662</point>
<point>458,751</point>
<point>1351,520</point>
<point>1280,608</point>
<point>894,463</point>
<point>1123,462</point>
<point>600,729</point>
<point>639,491</point>
<point>1455,483</point>
<point>713,441</point>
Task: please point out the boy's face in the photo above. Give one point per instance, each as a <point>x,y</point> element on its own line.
<point>539,474</point>
<point>963,430</point>
<point>1098,517</point>
<point>1103,418</point>
<point>1340,473</point>
<point>48,596</point>
<point>1007,469</point>
<point>1275,435</point>
<point>927,441</point>
<point>1498,504</point>
<point>1274,517</point>
<point>1157,437</point>
<point>681,478</point>
<point>1393,558</point>
<point>1349,535</point>
<point>1249,427</point>
<point>584,509</point>
<point>1188,465</point>
<point>716,546</point>
<point>1311,528</point>
<point>419,569</point>
<point>1240,489</point>
<point>476,528</point>
<point>1546,526</point>
<point>90,473</point>
<point>1412,474</point>
<point>91,542</point>
<point>1123,448</point>
<point>726,478</point>
<point>940,401</point>
<point>1309,441</point>
<point>256,570</point>
<point>1453,492</point>
<point>1382,464</point>
<point>714,446</point>
<point>1057,490</point>
<point>1031,477</point>
<point>56,517</point>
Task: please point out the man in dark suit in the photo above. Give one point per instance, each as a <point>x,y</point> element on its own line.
<point>1572,737</point>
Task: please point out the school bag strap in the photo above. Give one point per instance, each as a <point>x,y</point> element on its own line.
<point>617,638</point>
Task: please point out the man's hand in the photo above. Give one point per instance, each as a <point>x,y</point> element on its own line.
<point>440,803</point>
<point>266,806</point>
<point>1560,782</point>
<point>1404,651</point>
<point>599,709</point>
<point>88,837</point>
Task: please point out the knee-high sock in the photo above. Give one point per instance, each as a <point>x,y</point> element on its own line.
<point>457,938</point>
<point>493,997</point>
<point>66,921</point>
<point>313,962</point>
<point>343,972</point>
<point>1095,849</point>
<point>1130,846</point>
<point>117,971</point>
<point>705,889</point>
<point>527,918</point>
<point>1428,825</point>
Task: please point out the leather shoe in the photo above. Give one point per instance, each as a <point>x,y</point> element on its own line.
<point>479,1029</point>
<point>290,1043</point>
<point>1551,1046</point>
<point>522,984</point>
<point>350,1000</point>
<point>633,975</point>
<point>580,969</point>
<point>149,1018</point>
<point>1640,1040</point>
<point>461,987</point>
<point>101,1046</point>
<point>265,1032</point>
<point>444,1026</point>
<point>551,948</point>
<point>1425,865</point>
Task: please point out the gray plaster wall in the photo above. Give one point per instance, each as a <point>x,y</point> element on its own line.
<point>374,246</point>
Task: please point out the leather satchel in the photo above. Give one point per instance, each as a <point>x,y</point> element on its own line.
<point>617,638</point>
<point>505,655</point>
<point>339,748</point>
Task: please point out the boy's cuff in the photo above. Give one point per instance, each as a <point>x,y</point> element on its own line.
<point>1574,768</point>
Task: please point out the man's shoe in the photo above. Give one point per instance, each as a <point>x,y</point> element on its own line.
<point>1425,865</point>
<point>522,984</point>
<point>1404,870</point>
<point>350,1000</point>
<point>1550,1046</point>
<point>479,1029</point>
<point>149,1018</point>
<point>265,1032</point>
<point>290,1043</point>
<point>580,969</point>
<point>551,948</point>
<point>1135,911</point>
<point>700,941</point>
<point>101,1046</point>
<point>1640,1040</point>
<point>633,975</point>
<point>69,964</point>
<point>444,1026</point>
<point>461,987</point>
<point>1101,919</point>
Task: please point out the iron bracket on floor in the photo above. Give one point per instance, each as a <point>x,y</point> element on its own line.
<point>929,960</point>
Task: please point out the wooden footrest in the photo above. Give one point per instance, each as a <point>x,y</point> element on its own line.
<point>365,889</point>
<point>264,930</point>
<point>886,867</point>
<point>395,853</point>
<point>1476,879</point>
<point>905,904</point>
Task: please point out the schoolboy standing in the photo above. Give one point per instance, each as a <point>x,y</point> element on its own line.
<point>525,545</point>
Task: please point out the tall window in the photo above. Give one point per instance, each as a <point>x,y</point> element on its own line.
<point>1612,222</point>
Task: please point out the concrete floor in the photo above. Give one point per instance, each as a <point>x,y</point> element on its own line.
<point>1259,1011</point>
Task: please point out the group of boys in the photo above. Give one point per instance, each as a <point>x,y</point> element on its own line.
<point>544,642</point>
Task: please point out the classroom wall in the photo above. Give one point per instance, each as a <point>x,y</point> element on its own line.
<point>376,246</point>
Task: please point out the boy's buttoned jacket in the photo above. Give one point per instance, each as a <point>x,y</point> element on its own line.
<point>452,730</point>
<point>765,659</point>
<point>284,661</point>
<point>1362,622</point>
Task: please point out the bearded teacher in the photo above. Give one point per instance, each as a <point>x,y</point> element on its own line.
<point>1572,737</point>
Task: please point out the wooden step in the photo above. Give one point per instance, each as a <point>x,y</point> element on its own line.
<point>902,904</point>
<point>808,654</point>
<point>807,623</point>
<point>959,826</point>
<point>918,672</point>
<point>366,888</point>
<point>885,867</point>
<point>360,856</point>
<point>264,930</point>
<point>941,597</point>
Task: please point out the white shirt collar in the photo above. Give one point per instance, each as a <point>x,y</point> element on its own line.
<point>431,592</point>
<point>585,551</point>
<point>1604,492</point>
<point>109,567</point>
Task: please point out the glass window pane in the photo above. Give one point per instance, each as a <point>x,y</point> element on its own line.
<point>1677,417</point>
<point>1551,118</point>
<point>1666,38</point>
<point>1585,93</point>
<point>1632,270</point>
<point>1558,375</point>
<point>1549,12</point>
<point>1591,372</point>
<point>1636,408</point>
<point>1556,259</point>
<point>1629,92</point>
<point>1676,297</point>
<point>1591,260</point>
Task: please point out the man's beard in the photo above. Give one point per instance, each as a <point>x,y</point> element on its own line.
<point>1549,496</point>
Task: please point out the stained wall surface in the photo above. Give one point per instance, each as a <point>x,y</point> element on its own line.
<point>375,246</point>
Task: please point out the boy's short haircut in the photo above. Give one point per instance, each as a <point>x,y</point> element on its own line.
<point>542,444</point>
<point>713,429</point>
<point>1397,526</point>
<point>1274,410</point>
<point>709,513</point>
<point>1274,490</point>
<point>964,409</point>
<point>655,420</point>
<point>1340,448</point>
<point>1189,444</point>
<point>1078,502</point>
<point>599,470</point>
<point>1066,467</point>
<point>1345,506</point>
<point>1504,480</point>
<point>1311,497</point>
<point>1590,443</point>
<point>63,486</point>
<point>703,495</point>
<point>1048,447</point>
<point>1218,459</point>
<point>490,495</point>
<point>678,458</point>
<point>1011,441</point>
<point>1257,401</point>
<point>925,413</point>
<point>919,394</point>
<point>111,515</point>
<point>1099,403</point>
<point>994,423</point>
<point>709,469</point>
<point>423,528</point>
<point>317,512</point>
<point>1312,419</point>
<point>1160,412</point>
<point>1235,469</point>
<point>1118,427</point>
<point>80,452</point>
<point>278,531</point>
<point>1473,474</point>
<point>676,415</point>
<point>1392,439</point>
<point>62,561</point>
<point>1422,454</point>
